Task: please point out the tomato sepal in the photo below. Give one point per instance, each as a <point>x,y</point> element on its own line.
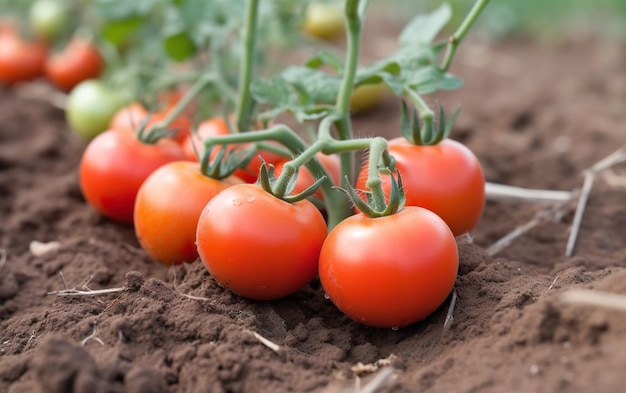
<point>427,134</point>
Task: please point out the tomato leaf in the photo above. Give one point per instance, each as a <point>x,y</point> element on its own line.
<point>325,58</point>
<point>422,29</point>
<point>431,79</point>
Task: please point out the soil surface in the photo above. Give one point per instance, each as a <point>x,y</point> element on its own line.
<point>536,116</point>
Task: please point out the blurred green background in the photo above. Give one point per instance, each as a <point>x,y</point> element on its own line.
<point>536,18</point>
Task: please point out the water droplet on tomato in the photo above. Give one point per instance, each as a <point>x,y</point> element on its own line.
<point>250,198</point>
<point>326,296</point>
<point>237,202</point>
<point>394,328</point>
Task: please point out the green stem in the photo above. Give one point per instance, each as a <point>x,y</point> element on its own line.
<point>354,26</point>
<point>244,101</point>
<point>189,96</point>
<point>425,113</point>
<point>377,148</point>
<point>291,167</point>
<point>455,39</point>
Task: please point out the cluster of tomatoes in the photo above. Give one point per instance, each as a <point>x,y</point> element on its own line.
<point>387,271</point>
<point>149,168</point>
<point>23,59</point>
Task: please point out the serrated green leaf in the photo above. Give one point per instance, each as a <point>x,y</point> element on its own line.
<point>430,79</point>
<point>423,28</point>
<point>320,87</point>
<point>275,92</point>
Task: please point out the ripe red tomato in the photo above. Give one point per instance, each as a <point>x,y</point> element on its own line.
<point>20,60</point>
<point>113,167</point>
<point>167,209</point>
<point>129,118</point>
<point>445,178</point>
<point>305,178</point>
<point>215,127</point>
<point>389,271</point>
<point>258,246</point>
<point>79,61</point>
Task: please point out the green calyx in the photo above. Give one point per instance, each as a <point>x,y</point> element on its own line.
<point>371,207</point>
<point>268,181</point>
<point>225,163</point>
<point>426,133</point>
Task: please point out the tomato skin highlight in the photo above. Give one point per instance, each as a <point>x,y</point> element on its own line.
<point>113,167</point>
<point>258,246</point>
<point>20,60</point>
<point>79,61</point>
<point>446,178</point>
<point>168,206</point>
<point>390,271</point>
<point>128,118</point>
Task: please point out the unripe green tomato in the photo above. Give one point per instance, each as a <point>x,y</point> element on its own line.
<point>90,107</point>
<point>324,20</point>
<point>48,18</point>
<point>366,97</point>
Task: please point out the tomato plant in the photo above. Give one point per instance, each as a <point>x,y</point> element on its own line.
<point>397,269</point>
<point>257,245</point>
<point>80,60</point>
<point>113,167</point>
<point>168,206</point>
<point>20,60</point>
<point>91,106</point>
<point>445,178</point>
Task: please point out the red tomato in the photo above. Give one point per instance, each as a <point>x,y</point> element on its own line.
<point>445,178</point>
<point>305,178</point>
<point>113,167</point>
<point>389,271</point>
<point>128,118</point>
<point>79,61</point>
<point>20,60</point>
<point>215,127</point>
<point>258,246</point>
<point>167,209</point>
<point>132,116</point>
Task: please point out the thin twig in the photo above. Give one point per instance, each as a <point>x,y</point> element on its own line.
<point>612,159</point>
<point>544,215</point>
<point>494,191</point>
<point>62,278</point>
<point>587,297</point>
<point>553,282</point>
<point>3,257</point>
<point>92,336</point>
<point>77,292</point>
<point>188,296</point>
<point>578,216</point>
<point>270,344</point>
<point>379,381</point>
<point>450,315</point>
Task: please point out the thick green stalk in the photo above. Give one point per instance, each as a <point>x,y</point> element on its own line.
<point>354,23</point>
<point>246,72</point>
<point>455,39</point>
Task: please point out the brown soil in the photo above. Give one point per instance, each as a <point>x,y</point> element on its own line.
<point>536,116</point>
